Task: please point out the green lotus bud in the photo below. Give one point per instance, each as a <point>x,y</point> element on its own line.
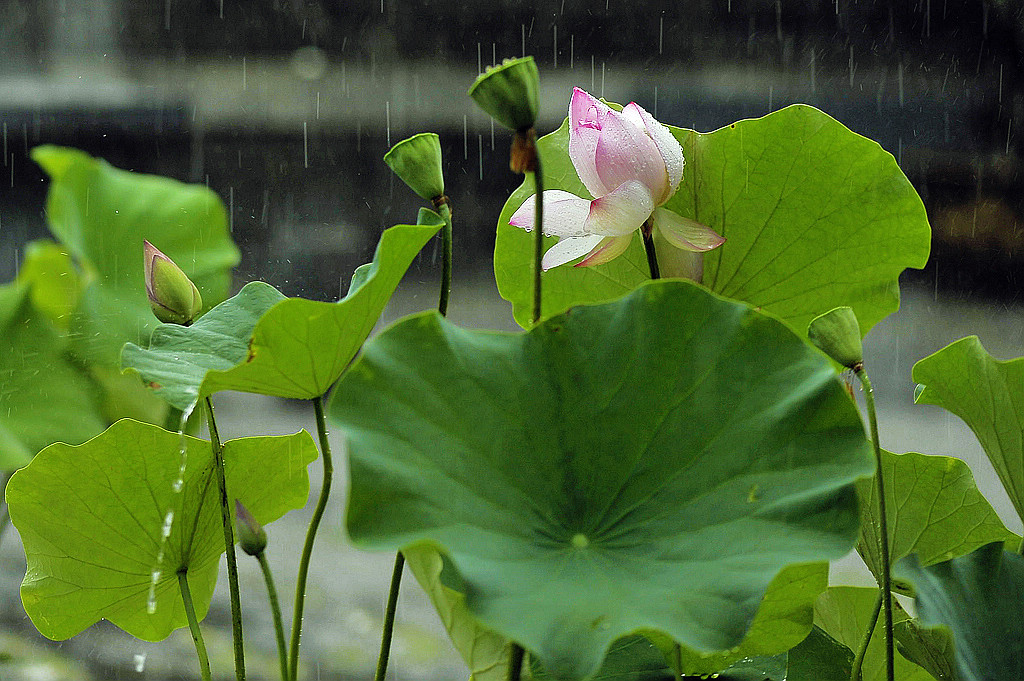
<point>251,535</point>
<point>509,93</point>
<point>172,295</point>
<point>417,162</point>
<point>837,334</point>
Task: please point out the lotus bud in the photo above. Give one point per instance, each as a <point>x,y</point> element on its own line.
<point>172,295</point>
<point>251,535</point>
<point>417,162</point>
<point>837,334</point>
<point>509,92</point>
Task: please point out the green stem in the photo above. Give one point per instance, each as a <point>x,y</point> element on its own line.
<point>229,543</point>
<point>538,238</point>
<point>275,608</point>
<point>858,661</point>
<point>515,662</point>
<point>389,618</point>
<point>677,655</point>
<point>652,257</point>
<point>314,525</point>
<point>446,262</point>
<point>886,582</point>
<point>193,625</point>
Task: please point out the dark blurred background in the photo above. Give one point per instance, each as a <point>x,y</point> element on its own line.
<point>285,107</point>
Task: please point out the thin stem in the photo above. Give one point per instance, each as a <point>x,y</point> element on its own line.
<point>858,661</point>
<point>538,239</point>
<point>652,257</point>
<point>275,608</point>
<point>677,658</point>
<point>193,625</point>
<point>446,260</point>
<point>389,618</point>
<point>229,543</point>
<point>314,525</point>
<point>515,663</point>
<point>886,585</point>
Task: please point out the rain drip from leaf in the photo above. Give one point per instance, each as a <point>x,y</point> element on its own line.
<point>165,532</point>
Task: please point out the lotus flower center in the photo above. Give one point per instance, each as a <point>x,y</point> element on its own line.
<point>580,541</point>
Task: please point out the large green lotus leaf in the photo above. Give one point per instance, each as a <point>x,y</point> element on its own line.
<point>978,597</point>
<point>783,620</point>
<point>637,465</point>
<point>91,517</point>
<point>819,657</point>
<point>631,658</point>
<point>54,280</point>
<point>815,215</point>
<point>261,342</point>
<point>179,357</point>
<point>44,397</point>
<point>931,648</point>
<point>484,652</point>
<point>989,396</point>
<point>844,612</point>
<point>101,214</point>
<point>935,510</point>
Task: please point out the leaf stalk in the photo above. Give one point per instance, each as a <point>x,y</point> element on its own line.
<point>229,544</point>
<point>307,548</point>
<point>883,525</point>
<point>193,625</point>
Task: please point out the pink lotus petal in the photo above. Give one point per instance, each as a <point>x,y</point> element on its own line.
<point>568,248</point>
<point>586,116</point>
<point>607,250</point>
<point>668,146</point>
<point>625,152</point>
<point>564,214</point>
<point>621,212</point>
<point>685,233</point>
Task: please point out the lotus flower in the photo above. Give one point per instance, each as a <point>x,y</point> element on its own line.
<point>632,164</point>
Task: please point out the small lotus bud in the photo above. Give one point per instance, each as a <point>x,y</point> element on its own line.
<point>172,295</point>
<point>417,162</point>
<point>509,92</point>
<point>251,535</point>
<point>837,334</point>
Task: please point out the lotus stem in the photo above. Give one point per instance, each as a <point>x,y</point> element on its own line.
<point>858,661</point>
<point>883,528</point>
<point>314,525</point>
<point>275,609</point>
<point>389,618</point>
<point>446,260</point>
<point>538,238</point>
<point>193,625</point>
<point>647,230</point>
<point>229,544</point>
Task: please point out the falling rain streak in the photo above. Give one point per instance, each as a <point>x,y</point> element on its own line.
<point>387,121</point>
<point>305,145</point>
<point>555,44</point>
<point>899,81</point>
